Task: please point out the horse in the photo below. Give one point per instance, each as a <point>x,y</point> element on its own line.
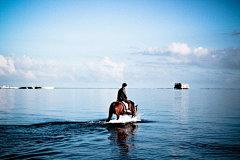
<point>117,108</point>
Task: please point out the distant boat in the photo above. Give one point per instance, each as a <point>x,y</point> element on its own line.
<point>181,86</point>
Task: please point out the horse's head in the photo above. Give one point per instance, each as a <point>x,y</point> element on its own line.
<point>134,109</point>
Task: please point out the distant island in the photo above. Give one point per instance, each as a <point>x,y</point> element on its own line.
<point>6,87</point>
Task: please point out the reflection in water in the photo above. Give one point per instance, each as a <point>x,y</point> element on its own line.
<point>181,100</point>
<point>123,137</point>
<point>7,99</point>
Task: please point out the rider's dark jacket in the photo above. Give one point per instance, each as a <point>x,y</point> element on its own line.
<point>121,95</point>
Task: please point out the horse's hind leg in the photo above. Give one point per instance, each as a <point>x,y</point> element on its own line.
<point>118,116</point>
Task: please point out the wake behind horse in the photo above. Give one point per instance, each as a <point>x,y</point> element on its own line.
<point>117,108</point>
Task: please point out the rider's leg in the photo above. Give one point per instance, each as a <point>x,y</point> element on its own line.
<point>129,105</point>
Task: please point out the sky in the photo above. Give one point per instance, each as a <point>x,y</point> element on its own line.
<point>104,43</point>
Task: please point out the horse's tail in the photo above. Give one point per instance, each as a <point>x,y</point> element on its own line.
<point>111,111</point>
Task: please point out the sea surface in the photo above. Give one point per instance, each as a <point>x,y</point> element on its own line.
<point>70,124</point>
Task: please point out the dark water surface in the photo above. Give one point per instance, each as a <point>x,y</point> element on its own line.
<point>70,124</point>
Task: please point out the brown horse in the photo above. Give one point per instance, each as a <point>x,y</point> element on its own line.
<point>117,108</point>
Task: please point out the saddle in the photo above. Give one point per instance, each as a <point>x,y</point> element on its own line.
<point>125,105</point>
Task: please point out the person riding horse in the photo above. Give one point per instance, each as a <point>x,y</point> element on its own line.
<point>122,96</point>
<point>118,108</point>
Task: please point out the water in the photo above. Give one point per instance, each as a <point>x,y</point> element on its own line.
<point>70,124</point>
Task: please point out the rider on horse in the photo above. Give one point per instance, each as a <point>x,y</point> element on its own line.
<point>118,107</point>
<point>122,96</point>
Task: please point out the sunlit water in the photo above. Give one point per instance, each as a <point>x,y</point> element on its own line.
<point>70,124</point>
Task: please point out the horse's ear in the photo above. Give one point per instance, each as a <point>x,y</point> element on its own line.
<point>136,106</point>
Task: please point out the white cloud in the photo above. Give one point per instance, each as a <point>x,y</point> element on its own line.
<point>34,71</point>
<point>31,68</point>
<point>27,68</point>
<point>6,65</point>
<point>181,49</point>
<point>29,75</point>
<point>107,68</point>
<point>153,50</point>
<point>200,51</point>
<point>180,53</point>
<point>176,48</point>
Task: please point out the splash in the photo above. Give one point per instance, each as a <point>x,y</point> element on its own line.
<point>125,119</point>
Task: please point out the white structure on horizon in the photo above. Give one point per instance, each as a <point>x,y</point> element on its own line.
<point>181,86</point>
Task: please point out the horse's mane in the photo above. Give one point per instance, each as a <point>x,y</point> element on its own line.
<point>115,103</point>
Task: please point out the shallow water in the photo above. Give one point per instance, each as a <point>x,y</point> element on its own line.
<point>70,124</point>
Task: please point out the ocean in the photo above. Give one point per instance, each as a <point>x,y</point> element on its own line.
<point>70,124</point>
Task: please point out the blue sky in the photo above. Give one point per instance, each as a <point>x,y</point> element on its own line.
<point>74,43</point>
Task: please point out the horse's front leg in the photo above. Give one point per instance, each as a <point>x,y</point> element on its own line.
<point>133,115</point>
